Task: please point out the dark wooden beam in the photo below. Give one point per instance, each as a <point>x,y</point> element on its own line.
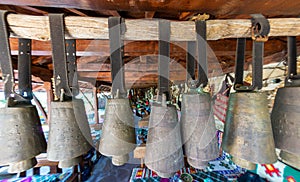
<point>149,14</point>
<point>75,11</point>
<point>33,9</point>
<point>186,15</point>
<point>99,49</point>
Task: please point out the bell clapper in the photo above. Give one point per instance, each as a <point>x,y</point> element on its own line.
<point>120,160</point>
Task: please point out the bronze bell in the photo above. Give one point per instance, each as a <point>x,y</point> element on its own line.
<point>248,135</point>
<point>286,127</point>
<point>164,146</point>
<point>21,137</point>
<point>198,129</point>
<point>118,138</point>
<point>69,132</point>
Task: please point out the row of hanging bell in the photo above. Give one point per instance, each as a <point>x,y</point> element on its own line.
<point>69,131</point>
<point>248,135</point>
<point>285,114</point>
<point>118,131</point>
<point>21,134</point>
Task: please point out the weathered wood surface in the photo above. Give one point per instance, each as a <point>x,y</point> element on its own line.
<point>37,27</point>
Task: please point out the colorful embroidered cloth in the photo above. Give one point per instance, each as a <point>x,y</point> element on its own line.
<point>194,175</point>
<point>43,178</point>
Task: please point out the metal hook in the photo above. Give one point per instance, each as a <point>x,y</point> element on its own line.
<point>260,30</point>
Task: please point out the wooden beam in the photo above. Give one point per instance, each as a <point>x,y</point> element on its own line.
<point>113,13</point>
<point>216,8</point>
<point>75,11</point>
<point>149,14</point>
<point>36,10</point>
<point>130,66</point>
<point>37,27</point>
<point>133,76</point>
<point>186,15</point>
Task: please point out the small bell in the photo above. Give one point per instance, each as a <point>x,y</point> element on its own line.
<point>69,135</point>
<point>164,146</point>
<point>21,137</point>
<point>198,129</point>
<point>285,122</point>
<point>118,138</point>
<point>248,135</point>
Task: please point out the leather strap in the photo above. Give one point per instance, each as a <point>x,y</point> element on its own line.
<point>201,46</point>
<point>260,30</point>
<point>292,79</point>
<point>239,62</point>
<point>116,56</point>
<point>59,57</point>
<point>202,53</point>
<point>24,68</point>
<point>5,57</point>
<point>164,57</point>
<point>257,66</point>
<point>191,61</point>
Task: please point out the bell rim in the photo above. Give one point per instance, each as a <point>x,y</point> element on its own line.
<point>31,162</point>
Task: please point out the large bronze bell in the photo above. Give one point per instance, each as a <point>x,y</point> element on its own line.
<point>286,126</point>
<point>118,138</point>
<point>21,137</point>
<point>69,135</point>
<point>198,129</point>
<point>248,135</point>
<point>164,146</point>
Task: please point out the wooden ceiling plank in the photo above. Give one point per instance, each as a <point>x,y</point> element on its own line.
<point>149,14</point>
<point>75,11</point>
<point>186,15</point>
<point>36,10</point>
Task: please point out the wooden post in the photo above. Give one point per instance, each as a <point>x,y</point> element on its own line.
<point>50,96</point>
<point>96,105</point>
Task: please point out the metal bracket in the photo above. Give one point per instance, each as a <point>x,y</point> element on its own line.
<point>257,66</point>
<point>72,66</point>
<point>260,28</point>
<point>164,58</point>
<point>202,57</point>
<point>64,59</point>
<point>116,29</point>
<point>24,68</point>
